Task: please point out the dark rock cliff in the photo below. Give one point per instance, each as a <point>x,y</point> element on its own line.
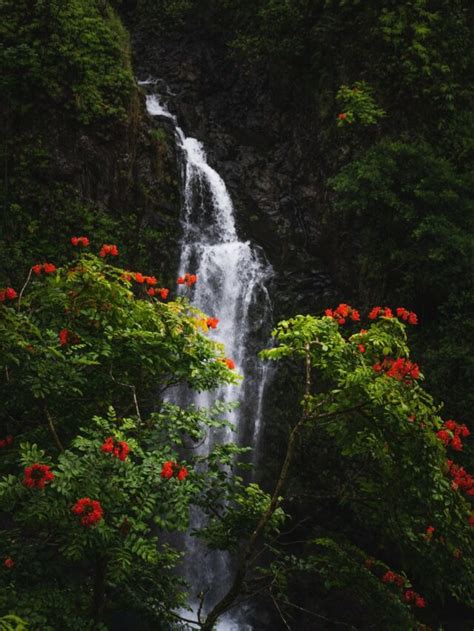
<point>259,150</point>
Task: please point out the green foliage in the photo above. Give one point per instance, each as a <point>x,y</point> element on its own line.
<point>65,395</point>
<point>372,468</point>
<point>400,192</point>
<point>358,105</point>
<point>12,623</point>
<point>65,54</point>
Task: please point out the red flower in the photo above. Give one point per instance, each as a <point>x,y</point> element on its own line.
<point>171,468</point>
<point>342,313</point>
<point>119,449</point>
<point>83,241</point>
<point>187,279</point>
<point>342,116</point>
<point>444,436</point>
<point>212,323</point>
<point>163,291</point>
<point>409,596</point>
<point>37,476</point>
<point>182,473</point>
<point>229,363</point>
<point>9,562</point>
<point>361,348</point>
<point>47,268</point>
<point>388,577</point>
<point>7,293</point>
<point>450,434</point>
<point>108,249</point>
<point>63,337</point>
<point>168,469</point>
<point>6,442</point>
<point>376,312</point>
<point>429,532</point>
<point>470,520</point>
<point>90,511</point>
<point>462,479</point>
<point>420,602</point>
<point>400,369</point>
<point>151,291</point>
<point>150,280</point>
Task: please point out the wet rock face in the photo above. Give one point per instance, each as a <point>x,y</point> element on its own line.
<point>259,150</point>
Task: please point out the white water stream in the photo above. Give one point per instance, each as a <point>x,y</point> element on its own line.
<point>232,286</point>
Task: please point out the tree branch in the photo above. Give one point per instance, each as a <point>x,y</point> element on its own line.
<point>53,429</point>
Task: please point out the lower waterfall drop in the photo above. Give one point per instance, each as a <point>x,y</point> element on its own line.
<point>233,278</point>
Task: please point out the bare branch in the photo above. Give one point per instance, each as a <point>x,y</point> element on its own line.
<point>53,429</point>
<point>24,287</point>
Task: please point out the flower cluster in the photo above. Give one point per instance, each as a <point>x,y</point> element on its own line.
<point>67,337</point>
<point>159,291</point>
<point>212,323</point>
<point>187,279</point>
<point>37,476</point>
<point>108,249</point>
<point>9,563</point>
<point>429,532</point>
<point>141,278</point>
<point>461,478</point>
<point>342,313</point>
<point>400,369</point>
<point>450,434</point>
<point>407,316</point>
<point>6,442</point>
<point>171,468</point>
<point>229,363</point>
<point>411,596</point>
<point>7,294</point>
<point>118,448</point>
<point>90,511</point>
<point>380,312</point>
<point>47,268</point>
<point>82,241</point>
<point>393,577</point>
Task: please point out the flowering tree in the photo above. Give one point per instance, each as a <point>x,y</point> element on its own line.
<point>95,465</point>
<point>370,442</point>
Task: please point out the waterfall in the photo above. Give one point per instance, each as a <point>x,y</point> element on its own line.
<point>233,277</point>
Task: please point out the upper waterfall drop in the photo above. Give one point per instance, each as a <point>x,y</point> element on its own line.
<point>233,277</point>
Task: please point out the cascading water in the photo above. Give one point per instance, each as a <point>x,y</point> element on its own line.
<point>232,286</point>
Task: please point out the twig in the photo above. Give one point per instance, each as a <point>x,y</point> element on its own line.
<point>23,288</point>
<point>280,612</point>
<point>202,596</point>
<point>53,429</point>
<point>134,393</point>
<point>318,615</point>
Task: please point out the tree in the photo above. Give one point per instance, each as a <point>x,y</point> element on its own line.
<point>97,466</point>
<point>373,452</point>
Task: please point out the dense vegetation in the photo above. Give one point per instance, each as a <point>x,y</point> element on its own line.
<point>375,506</point>
<point>94,476</point>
